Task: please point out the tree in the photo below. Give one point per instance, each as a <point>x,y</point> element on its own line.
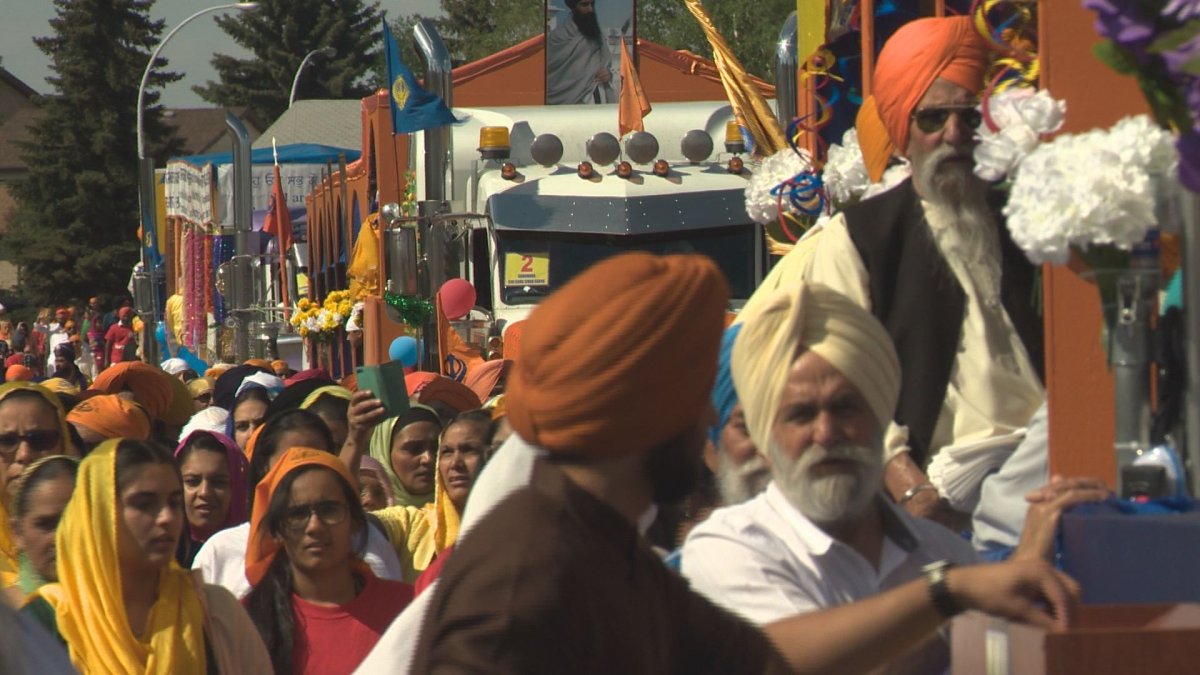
<point>280,33</point>
<point>473,30</point>
<point>750,28</point>
<point>74,231</point>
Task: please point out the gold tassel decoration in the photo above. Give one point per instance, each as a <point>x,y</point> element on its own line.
<point>747,101</point>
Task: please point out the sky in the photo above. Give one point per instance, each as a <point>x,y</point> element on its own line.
<point>189,51</point>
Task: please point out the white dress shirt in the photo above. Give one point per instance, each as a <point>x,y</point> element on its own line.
<point>765,561</point>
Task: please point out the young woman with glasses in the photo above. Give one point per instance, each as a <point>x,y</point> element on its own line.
<point>318,607</point>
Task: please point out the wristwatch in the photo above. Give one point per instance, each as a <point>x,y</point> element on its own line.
<point>939,591</point>
<point>914,491</point>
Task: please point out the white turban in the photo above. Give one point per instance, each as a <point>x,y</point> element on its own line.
<point>211,419</point>
<point>827,323</point>
<point>174,366</point>
<point>271,383</point>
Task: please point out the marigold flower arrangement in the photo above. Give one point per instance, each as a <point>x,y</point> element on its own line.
<point>322,320</point>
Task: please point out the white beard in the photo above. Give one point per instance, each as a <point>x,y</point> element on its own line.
<point>961,223</point>
<point>737,484</point>
<point>833,499</point>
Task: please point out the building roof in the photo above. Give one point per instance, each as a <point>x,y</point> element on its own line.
<point>202,129</point>
<point>337,123</point>
<point>16,83</point>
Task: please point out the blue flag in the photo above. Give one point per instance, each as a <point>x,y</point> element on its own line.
<point>413,108</point>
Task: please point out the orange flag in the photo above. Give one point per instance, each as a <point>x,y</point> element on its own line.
<point>279,223</point>
<point>633,105</point>
<point>455,353</point>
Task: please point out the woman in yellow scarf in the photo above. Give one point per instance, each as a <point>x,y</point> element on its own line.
<point>33,425</point>
<point>122,604</point>
<point>39,498</point>
<point>420,534</point>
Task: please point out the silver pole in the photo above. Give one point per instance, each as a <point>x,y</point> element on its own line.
<point>325,53</point>
<point>1190,215</point>
<point>244,241</point>
<point>787,63</point>
<point>146,205</point>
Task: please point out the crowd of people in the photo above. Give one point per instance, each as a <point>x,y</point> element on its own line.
<point>650,485</point>
<point>67,343</point>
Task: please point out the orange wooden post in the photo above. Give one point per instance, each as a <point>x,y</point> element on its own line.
<point>1079,385</point>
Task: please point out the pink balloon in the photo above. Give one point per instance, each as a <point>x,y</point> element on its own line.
<point>458,297</point>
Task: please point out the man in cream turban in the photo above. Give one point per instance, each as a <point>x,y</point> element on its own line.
<point>932,261</point>
<point>819,379</point>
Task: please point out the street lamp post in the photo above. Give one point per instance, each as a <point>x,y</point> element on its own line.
<point>149,282</point>
<point>324,53</point>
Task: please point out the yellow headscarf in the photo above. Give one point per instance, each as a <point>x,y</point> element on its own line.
<point>421,533</point>
<point>87,599</point>
<point>9,566</point>
<point>332,390</point>
<point>381,449</point>
<point>8,552</point>
<point>9,388</point>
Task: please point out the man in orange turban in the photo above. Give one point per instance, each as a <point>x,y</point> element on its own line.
<point>109,416</point>
<point>611,440</point>
<point>932,260</point>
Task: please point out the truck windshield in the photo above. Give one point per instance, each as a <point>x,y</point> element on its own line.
<point>534,264</point>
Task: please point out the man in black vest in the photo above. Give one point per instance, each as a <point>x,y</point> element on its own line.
<point>932,260</point>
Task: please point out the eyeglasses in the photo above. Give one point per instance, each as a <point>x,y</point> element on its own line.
<point>931,120</point>
<point>39,441</point>
<point>329,513</point>
<point>204,398</point>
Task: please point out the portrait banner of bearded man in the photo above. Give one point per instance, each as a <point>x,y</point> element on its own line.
<point>579,59</point>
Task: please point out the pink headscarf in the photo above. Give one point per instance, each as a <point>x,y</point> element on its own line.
<point>238,492</point>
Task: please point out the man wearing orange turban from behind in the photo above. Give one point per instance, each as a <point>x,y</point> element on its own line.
<point>933,261</point>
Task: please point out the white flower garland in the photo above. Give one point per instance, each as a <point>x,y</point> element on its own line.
<point>761,205</point>
<point>1089,189</point>
<point>1023,116</point>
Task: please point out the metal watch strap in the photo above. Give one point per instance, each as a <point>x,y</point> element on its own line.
<point>914,491</point>
<point>939,591</point>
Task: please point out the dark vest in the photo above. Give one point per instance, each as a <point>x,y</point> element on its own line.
<point>917,299</point>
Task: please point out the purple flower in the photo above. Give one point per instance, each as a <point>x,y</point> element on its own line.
<point>1178,57</point>
<point>1188,147</point>
<point>1121,22</point>
<point>1182,9</point>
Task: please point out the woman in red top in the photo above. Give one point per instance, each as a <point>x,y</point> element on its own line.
<point>318,608</point>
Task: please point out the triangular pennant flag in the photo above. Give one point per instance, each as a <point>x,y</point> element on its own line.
<point>633,105</point>
<point>413,108</point>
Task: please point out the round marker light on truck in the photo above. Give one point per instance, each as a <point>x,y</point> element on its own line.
<point>508,171</point>
<point>585,170</point>
<point>733,137</point>
<point>493,142</point>
<point>662,168</point>
<point>624,170</point>
<point>736,165</point>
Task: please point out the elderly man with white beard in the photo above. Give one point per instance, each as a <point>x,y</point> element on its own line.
<point>819,379</point>
<point>932,260</point>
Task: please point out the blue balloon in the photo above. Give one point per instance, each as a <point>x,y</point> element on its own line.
<point>404,349</point>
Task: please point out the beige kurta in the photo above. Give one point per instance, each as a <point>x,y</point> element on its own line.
<point>993,389</point>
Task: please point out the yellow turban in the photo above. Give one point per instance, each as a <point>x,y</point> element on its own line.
<point>622,358</point>
<point>914,56</point>
<point>827,323</point>
<point>60,386</point>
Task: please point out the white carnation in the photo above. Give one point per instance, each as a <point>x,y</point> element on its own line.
<point>761,205</point>
<point>1017,119</point>
<point>1088,189</point>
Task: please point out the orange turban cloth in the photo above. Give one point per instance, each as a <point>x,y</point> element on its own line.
<point>482,377</point>
<point>622,358</point>
<point>429,387</point>
<point>913,57</point>
<point>262,546</point>
<point>150,385</point>
<point>112,416</point>
<point>18,373</point>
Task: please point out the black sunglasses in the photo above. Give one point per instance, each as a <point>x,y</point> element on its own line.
<point>39,441</point>
<point>931,120</point>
